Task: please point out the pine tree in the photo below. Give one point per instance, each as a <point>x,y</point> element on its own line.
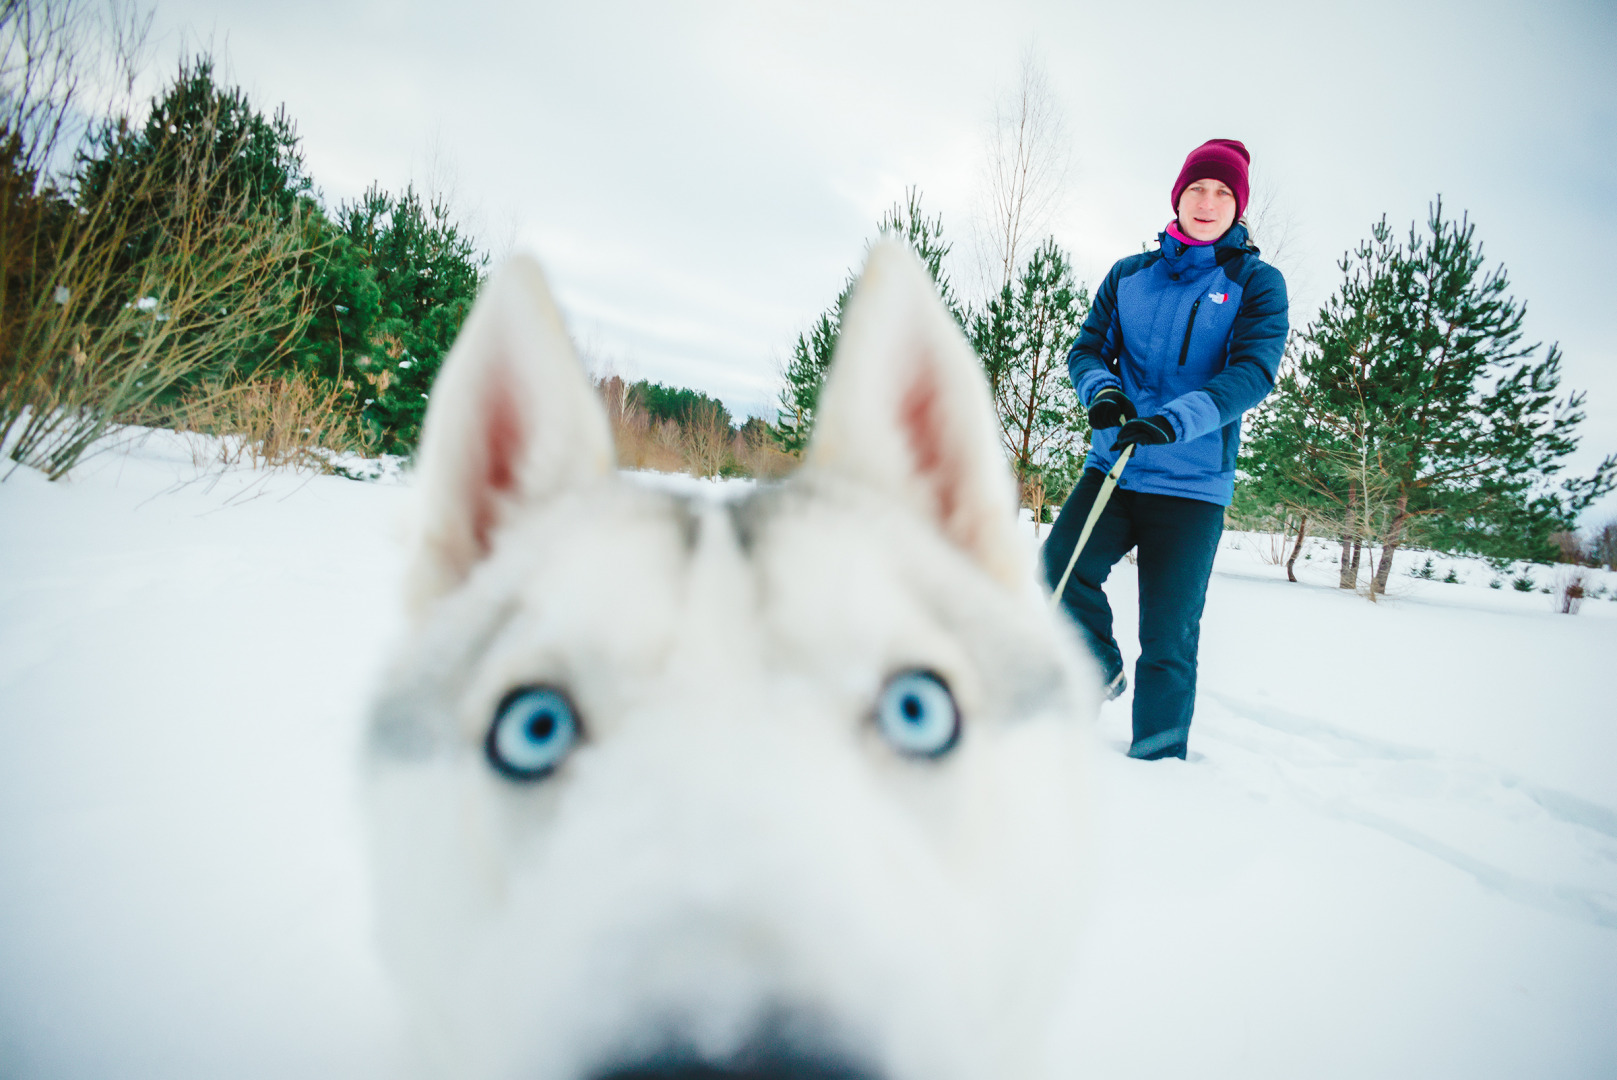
<point>346,303</point>
<point>811,355</point>
<point>1308,457</point>
<point>1415,409</point>
<point>1021,337</point>
<point>805,374</point>
<point>426,275</point>
<point>206,156</point>
<point>196,126</point>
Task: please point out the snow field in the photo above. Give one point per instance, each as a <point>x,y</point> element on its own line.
<point>1393,852</point>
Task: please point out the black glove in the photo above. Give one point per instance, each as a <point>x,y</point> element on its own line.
<point>1110,407</point>
<point>1146,431</point>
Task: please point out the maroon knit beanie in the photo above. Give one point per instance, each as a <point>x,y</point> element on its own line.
<point>1216,159</point>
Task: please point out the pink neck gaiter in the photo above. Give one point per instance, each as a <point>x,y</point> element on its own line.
<point>1173,231</point>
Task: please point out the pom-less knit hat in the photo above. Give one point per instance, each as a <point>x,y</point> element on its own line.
<point>1216,159</point>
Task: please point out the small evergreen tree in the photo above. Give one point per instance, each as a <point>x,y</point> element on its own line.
<point>1021,337</point>
<point>426,275</point>
<point>196,124</point>
<point>346,303</point>
<point>811,355</point>
<point>1278,487</point>
<point>206,157</point>
<point>1309,457</point>
<point>1413,410</point>
<point>805,373</point>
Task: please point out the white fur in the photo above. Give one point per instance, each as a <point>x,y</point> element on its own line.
<point>734,841</point>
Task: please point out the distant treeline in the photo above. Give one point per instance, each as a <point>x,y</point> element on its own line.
<point>677,403</point>
<point>674,429</point>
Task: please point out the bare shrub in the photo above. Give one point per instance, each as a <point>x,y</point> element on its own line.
<point>708,443</point>
<point>1567,587</point>
<point>645,444</point>
<point>668,445</point>
<point>1029,155</point>
<point>54,56</point>
<point>291,422</point>
<point>759,455</point>
<point>1033,497</point>
<point>638,441</point>
<point>631,438</point>
<point>614,393</point>
<point>1272,548</point>
<point>91,341</point>
<point>701,444</point>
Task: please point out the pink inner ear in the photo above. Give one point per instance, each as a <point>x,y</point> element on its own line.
<point>503,440</point>
<point>922,417</point>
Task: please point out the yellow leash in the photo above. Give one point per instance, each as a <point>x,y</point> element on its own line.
<point>1094,515</point>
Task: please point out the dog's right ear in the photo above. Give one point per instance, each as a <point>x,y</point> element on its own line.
<point>512,419</point>
<point>906,409</point>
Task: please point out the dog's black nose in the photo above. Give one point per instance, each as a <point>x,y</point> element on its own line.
<point>787,1044</point>
<point>776,1068</point>
<point>766,1057</point>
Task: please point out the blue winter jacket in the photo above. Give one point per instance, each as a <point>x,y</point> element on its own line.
<point>1194,333</point>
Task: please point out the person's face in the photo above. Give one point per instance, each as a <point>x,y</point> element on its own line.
<point>1206,210</point>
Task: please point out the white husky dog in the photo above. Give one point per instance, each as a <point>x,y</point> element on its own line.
<point>781,786</point>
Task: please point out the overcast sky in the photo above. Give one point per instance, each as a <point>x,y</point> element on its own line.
<point>697,179</point>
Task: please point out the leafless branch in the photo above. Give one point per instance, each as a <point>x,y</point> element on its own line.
<point>1028,160</point>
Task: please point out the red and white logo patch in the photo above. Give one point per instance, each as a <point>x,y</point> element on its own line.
<point>1218,297</point>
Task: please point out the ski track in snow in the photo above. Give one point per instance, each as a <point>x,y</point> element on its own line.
<point>1420,798</point>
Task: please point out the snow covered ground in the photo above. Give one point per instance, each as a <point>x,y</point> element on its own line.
<point>1393,852</point>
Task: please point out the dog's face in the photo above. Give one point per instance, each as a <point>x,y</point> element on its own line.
<point>782,786</point>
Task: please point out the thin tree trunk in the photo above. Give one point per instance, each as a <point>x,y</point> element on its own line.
<point>1302,531</point>
<point>1378,584</point>
<point>1349,576</point>
<point>1394,535</point>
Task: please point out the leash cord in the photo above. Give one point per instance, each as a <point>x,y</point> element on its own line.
<point>1101,497</point>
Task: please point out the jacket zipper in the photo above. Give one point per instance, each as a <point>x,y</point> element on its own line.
<point>1184,349</point>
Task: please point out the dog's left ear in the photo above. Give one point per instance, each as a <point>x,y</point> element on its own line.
<point>512,419</point>
<point>906,409</point>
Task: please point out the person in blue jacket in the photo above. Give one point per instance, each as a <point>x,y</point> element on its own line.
<point>1179,342</point>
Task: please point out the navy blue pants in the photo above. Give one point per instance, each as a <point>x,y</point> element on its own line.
<point>1177,539</point>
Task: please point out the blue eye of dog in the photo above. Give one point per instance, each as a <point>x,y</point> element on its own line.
<point>917,714</point>
<point>534,729</point>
